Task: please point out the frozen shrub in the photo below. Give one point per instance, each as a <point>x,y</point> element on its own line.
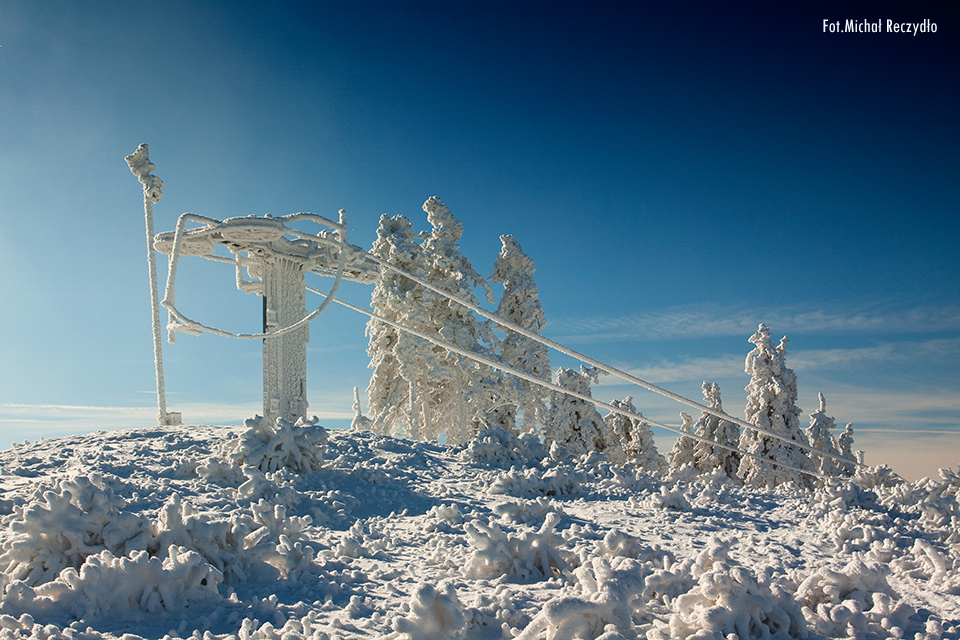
<point>673,499</point>
<point>941,507</point>
<point>602,607</point>
<point>526,511</point>
<point>444,517</point>
<point>356,544</point>
<point>529,555</point>
<point>298,446</point>
<point>277,486</point>
<point>855,601</point>
<point>729,600</point>
<point>880,476</point>
<point>841,496</point>
<point>617,544</point>
<point>60,527</point>
<point>243,547</point>
<point>275,520</point>
<point>291,559</point>
<point>534,482</point>
<point>221,472</point>
<point>106,585</point>
<point>671,579</point>
<point>498,447</point>
<point>925,562</point>
<point>435,614</point>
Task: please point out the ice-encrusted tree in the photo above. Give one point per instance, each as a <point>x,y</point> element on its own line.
<point>771,405</point>
<point>706,456</point>
<point>636,439</point>
<point>574,423</point>
<point>683,448</point>
<point>393,398</point>
<point>420,390</point>
<point>459,396</point>
<point>520,304</point>
<point>845,446</point>
<point>821,438</point>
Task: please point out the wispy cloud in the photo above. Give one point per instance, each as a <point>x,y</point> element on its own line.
<point>877,407</point>
<point>20,422</point>
<point>666,371</point>
<point>931,409</point>
<point>888,353</point>
<point>710,321</point>
<point>824,361</point>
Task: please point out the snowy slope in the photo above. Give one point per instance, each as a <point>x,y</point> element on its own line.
<point>198,531</point>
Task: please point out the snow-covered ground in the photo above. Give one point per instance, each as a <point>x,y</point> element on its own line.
<point>296,532</point>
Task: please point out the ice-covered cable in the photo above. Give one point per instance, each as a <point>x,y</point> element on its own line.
<point>557,388</point>
<point>600,365</point>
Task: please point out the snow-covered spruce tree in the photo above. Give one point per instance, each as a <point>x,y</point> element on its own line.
<point>635,437</point>
<point>845,447</point>
<point>458,392</point>
<point>682,452</point>
<point>392,397</point>
<point>771,405</point>
<point>520,304</point>
<point>707,457</point>
<point>574,423</point>
<point>419,390</point>
<point>820,436</point>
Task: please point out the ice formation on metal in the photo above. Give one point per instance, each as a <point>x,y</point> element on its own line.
<point>140,166</point>
<point>277,257</point>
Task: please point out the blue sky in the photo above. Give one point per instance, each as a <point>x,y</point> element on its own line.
<point>679,172</point>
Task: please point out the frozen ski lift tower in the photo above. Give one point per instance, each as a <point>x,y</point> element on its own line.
<point>277,256</point>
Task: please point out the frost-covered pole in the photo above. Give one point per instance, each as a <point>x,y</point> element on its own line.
<point>140,165</point>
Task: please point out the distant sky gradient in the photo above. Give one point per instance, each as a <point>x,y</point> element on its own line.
<point>679,172</point>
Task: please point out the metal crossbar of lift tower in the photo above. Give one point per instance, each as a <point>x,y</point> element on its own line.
<point>277,258</point>
<point>263,237</point>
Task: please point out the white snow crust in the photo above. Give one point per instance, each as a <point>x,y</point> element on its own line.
<point>290,532</point>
